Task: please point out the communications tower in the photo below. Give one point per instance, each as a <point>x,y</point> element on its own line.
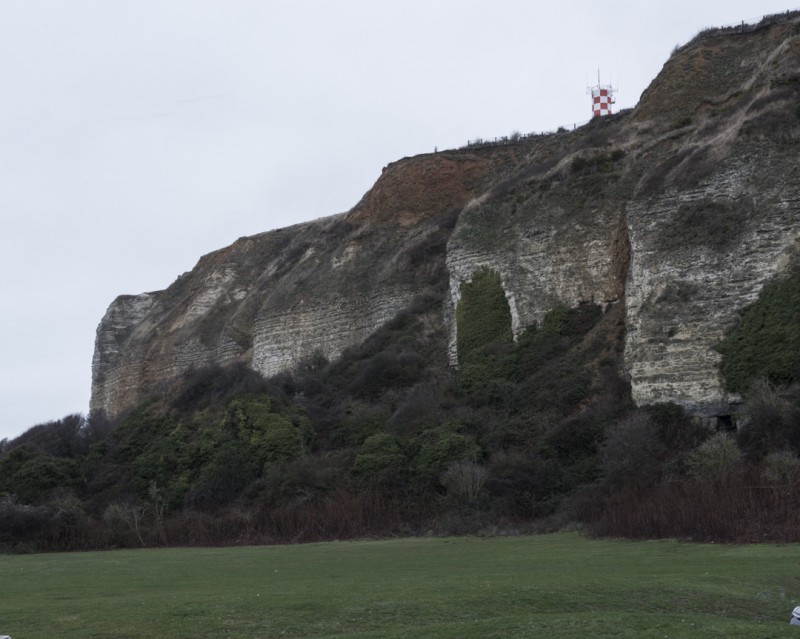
<point>602,98</point>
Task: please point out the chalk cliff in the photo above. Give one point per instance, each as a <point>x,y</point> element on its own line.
<point>679,210</point>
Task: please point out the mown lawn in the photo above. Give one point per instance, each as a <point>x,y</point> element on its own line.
<point>561,585</point>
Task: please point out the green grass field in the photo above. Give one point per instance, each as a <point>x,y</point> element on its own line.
<point>560,585</point>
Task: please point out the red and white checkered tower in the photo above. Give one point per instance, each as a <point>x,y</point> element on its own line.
<point>602,98</point>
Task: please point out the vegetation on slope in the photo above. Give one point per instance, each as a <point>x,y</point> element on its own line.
<point>388,439</point>
<point>685,481</point>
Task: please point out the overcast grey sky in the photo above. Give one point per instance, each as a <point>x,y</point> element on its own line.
<point>137,136</point>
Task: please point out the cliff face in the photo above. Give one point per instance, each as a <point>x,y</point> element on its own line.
<point>273,299</point>
<point>717,213</point>
<point>680,210</point>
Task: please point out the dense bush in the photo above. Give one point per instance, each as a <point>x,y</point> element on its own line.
<point>715,460</point>
<point>30,476</point>
<point>214,386</point>
<point>20,524</point>
<point>700,484</point>
<point>771,421</point>
<point>633,451</point>
<point>381,461</point>
<point>464,481</point>
<point>524,484</point>
<point>387,438</point>
<point>65,438</point>
<point>439,447</point>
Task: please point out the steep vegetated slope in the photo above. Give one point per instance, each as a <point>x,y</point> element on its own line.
<point>494,336</point>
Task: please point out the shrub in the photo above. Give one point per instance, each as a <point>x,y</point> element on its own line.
<point>222,479</point>
<point>395,356</point>
<point>524,484</point>
<point>125,521</point>
<point>772,422</point>
<point>380,460</point>
<point>361,420</point>
<point>62,438</point>
<point>271,436</point>
<point>296,482</point>
<point>464,481</point>
<point>676,430</point>
<point>31,476</point>
<point>417,407</point>
<point>70,527</point>
<point>633,451</point>
<point>20,523</point>
<point>782,469</point>
<point>439,448</point>
<point>278,440</point>
<point>387,370</point>
<point>210,386</point>
<point>714,460</point>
